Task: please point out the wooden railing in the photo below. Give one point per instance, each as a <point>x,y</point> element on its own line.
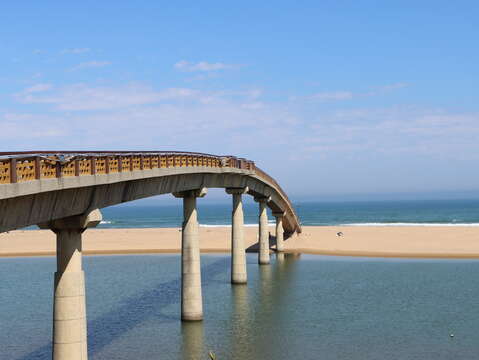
<point>21,167</point>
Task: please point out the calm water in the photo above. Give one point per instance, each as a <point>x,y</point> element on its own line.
<point>433,212</point>
<point>298,308</point>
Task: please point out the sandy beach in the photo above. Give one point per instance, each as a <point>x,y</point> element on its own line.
<point>371,241</point>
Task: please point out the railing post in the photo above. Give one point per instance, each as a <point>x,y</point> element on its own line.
<point>120,165</point>
<point>131,162</point>
<point>93,165</point>
<point>13,171</point>
<point>58,169</point>
<point>141,162</point>
<point>77,167</point>
<point>38,173</point>
<point>107,165</point>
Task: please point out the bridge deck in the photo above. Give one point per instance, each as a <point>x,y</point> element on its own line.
<point>29,173</point>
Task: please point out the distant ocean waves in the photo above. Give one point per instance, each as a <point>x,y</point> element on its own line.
<point>110,223</point>
<point>410,224</point>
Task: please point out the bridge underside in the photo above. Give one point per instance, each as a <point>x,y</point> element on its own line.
<point>40,207</point>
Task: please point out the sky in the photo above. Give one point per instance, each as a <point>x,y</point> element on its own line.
<point>332,98</point>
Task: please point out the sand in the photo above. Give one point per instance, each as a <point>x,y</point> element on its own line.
<point>371,241</point>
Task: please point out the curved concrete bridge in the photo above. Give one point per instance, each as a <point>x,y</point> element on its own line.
<point>63,192</point>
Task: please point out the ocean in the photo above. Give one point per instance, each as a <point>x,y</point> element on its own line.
<point>383,213</point>
<point>300,307</point>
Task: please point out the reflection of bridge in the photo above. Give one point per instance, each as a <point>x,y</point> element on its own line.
<point>63,192</point>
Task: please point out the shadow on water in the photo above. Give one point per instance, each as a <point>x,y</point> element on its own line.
<point>134,310</point>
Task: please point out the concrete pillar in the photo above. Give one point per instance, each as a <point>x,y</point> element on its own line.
<point>279,231</point>
<point>191,298</point>
<point>238,253</point>
<point>263,255</point>
<point>69,309</point>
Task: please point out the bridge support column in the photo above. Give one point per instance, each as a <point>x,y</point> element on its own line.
<point>191,298</point>
<point>263,255</point>
<point>238,253</point>
<point>279,231</point>
<point>69,310</point>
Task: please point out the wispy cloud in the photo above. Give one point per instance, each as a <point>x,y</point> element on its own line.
<point>76,51</point>
<point>37,88</point>
<point>80,97</point>
<point>348,95</point>
<point>91,64</point>
<point>202,66</point>
<point>332,96</point>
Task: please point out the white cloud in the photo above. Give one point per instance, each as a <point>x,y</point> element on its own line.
<point>37,88</point>
<point>76,51</point>
<point>202,66</point>
<point>348,95</point>
<point>80,97</point>
<point>189,118</point>
<point>91,64</point>
<point>431,132</point>
<point>24,126</point>
<point>332,96</point>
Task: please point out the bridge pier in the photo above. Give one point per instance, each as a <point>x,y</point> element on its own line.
<point>279,231</point>
<point>69,310</point>
<point>238,253</point>
<point>191,298</point>
<point>263,254</point>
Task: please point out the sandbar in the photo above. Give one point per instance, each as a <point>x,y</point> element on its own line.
<point>368,241</point>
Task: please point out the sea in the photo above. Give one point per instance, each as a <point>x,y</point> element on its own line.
<point>299,307</point>
<point>357,213</point>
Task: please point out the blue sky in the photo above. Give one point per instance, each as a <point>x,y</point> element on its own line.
<point>331,98</point>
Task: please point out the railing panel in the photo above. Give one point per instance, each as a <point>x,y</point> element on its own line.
<point>113,165</point>
<point>25,170</point>
<point>48,169</point>
<point>100,165</point>
<point>146,162</point>
<point>85,166</point>
<point>68,169</point>
<point>5,171</point>
<point>177,161</point>
<point>155,162</point>
<point>163,161</point>
<point>136,163</point>
<point>125,163</point>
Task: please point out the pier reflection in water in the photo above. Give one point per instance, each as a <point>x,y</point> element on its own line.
<point>253,310</point>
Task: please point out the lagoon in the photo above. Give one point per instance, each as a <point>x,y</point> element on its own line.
<point>308,307</point>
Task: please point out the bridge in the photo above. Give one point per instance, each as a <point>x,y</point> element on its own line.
<point>64,191</point>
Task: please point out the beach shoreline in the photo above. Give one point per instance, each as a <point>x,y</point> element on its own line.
<point>365,241</point>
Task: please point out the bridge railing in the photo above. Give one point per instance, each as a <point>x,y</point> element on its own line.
<point>21,167</point>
